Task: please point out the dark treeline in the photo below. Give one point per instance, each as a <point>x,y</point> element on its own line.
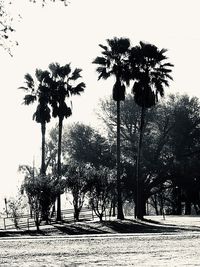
<point>170,152</point>
<point>169,158</point>
<point>148,152</point>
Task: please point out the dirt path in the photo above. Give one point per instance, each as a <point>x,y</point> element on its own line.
<point>121,250</point>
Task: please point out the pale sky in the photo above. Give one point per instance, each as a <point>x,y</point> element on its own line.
<point>72,34</point>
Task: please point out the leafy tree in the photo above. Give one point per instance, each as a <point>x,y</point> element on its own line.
<point>185,146</point>
<point>63,85</point>
<point>52,151</point>
<point>113,62</point>
<point>38,91</point>
<point>76,182</point>
<point>129,125</point>
<point>151,72</point>
<point>84,144</point>
<point>15,207</point>
<point>156,158</point>
<point>100,185</point>
<point>41,191</point>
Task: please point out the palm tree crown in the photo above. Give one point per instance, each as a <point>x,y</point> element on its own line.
<point>114,62</point>
<point>38,90</point>
<point>151,72</point>
<point>63,86</point>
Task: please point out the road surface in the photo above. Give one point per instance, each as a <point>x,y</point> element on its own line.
<point>181,249</point>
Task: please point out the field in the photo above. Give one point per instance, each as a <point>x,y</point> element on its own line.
<point>173,242</point>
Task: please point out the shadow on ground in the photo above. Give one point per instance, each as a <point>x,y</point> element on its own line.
<point>105,227</point>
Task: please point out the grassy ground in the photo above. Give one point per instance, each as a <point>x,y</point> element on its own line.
<point>153,224</point>
<point>153,242</point>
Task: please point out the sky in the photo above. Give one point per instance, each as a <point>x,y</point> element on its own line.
<point>56,33</point>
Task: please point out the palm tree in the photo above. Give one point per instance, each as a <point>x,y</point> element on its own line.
<point>39,91</point>
<point>151,74</point>
<point>64,85</point>
<point>113,62</point>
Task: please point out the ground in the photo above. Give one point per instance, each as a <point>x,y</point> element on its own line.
<point>156,242</point>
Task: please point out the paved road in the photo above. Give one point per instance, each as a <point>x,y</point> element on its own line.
<point>108,250</point>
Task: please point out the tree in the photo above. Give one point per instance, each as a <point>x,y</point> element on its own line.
<point>185,147</point>
<point>171,153</point>
<point>84,144</point>
<point>15,208</point>
<point>63,85</point>
<point>113,62</point>
<point>38,91</point>
<point>6,27</point>
<point>151,74</point>
<point>100,188</point>
<point>41,191</point>
<point>76,182</point>
<point>156,159</point>
<point>52,151</point>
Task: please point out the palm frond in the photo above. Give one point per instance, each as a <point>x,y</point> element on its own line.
<point>163,50</point>
<point>38,74</point>
<point>54,67</point>
<point>119,45</point>
<point>103,47</point>
<point>29,99</point>
<point>167,65</point>
<point>78,89</point>
<point>42,76</point>
<point>100,61</point>
<point>23,88</point>
<point>76,74</point>
<point>29,80</point>
<point>64,71</point>
<point>103,73</point>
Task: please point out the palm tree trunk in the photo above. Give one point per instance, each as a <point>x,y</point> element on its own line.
<point>120,214</point>
<point>60,126</point>
<point>139,181</point>
<point>43,130</point>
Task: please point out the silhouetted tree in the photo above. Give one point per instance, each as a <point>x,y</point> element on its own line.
<point>76,182</point>
<point>38,91</point>
<point>113,62</point>
<point>100,185</point>
<point>151,72</point>
<point>52,151</point>
<point>185,147</point>
<point>41,191</point>
<point>159,121</point>
<point>84,144</point>
<point>64,85</point>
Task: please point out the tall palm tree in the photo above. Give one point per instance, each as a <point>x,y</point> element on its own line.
<point>113,62</point>
<point>151,73</point>
<point>38,91</point>
<point>64,85</point>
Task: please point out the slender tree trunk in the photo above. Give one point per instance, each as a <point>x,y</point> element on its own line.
<point>114,206</point>
<point>43,130</point>
<point>59,167</point>
<point>120,214</point>
<point>76,212</point>
<point>139,181</point>
<point>187,207</point>
<point>178,203</point>
<point>155,202</point>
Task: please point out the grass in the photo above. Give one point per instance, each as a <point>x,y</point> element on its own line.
<point>150,225</point>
